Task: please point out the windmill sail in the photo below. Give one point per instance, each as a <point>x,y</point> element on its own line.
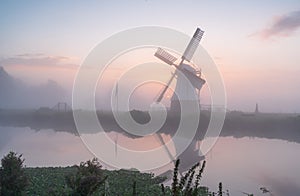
<point>191,48</point>
<point>165,56</point>
<point>165,88</point>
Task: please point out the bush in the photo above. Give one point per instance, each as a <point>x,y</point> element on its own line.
<point>88,178</point>
<point>13,181</point>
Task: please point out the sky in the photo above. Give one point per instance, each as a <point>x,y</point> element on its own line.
<point>255,44</point>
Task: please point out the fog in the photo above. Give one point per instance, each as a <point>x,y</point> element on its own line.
<point>16,94</point>
<point>34,87</point>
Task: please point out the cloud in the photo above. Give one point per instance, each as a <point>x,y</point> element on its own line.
<point>30,54</point>
<point>281,26</point>
<point>37,59</point>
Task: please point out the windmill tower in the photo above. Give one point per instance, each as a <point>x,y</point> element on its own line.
<point>185,74</point>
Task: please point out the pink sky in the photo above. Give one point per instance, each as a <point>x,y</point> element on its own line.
<point>38,45</point>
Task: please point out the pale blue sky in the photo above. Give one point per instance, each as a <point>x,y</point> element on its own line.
<point>233,37</point>
<point>42,26</point>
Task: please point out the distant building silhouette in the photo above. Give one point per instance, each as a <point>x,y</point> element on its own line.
<point>61,107</point>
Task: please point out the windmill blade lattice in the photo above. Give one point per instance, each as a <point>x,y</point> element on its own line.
<point>191,48</point>
<point>165,56</point>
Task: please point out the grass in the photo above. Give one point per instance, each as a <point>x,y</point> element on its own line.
<point>89,178</point>
<point>51,181</point>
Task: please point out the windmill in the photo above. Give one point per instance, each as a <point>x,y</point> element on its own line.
<point>183,71</point>
<point>186,75</point>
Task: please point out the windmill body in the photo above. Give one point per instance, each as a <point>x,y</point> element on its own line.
<point>188,86</point>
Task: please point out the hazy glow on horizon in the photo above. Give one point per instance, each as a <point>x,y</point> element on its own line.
<point>255,44</point>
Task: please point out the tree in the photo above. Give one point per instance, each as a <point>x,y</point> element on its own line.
<point>13,181</point>
<point>88,178</point>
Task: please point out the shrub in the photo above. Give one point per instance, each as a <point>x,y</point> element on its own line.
<point>13,181</point>
<point>88,178</point>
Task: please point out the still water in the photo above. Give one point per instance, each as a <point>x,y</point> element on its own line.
<point>241,164</point>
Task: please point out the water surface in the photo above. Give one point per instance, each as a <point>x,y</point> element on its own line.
<point>242,164</point>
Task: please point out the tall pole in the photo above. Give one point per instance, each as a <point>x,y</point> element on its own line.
<point>169,82</point>
<point>165,89</point>
<point>117,97</point>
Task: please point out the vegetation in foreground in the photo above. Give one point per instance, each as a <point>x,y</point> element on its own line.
<point>89,178</point>
<point>13,180</point>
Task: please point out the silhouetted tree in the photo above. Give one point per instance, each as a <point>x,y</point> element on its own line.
<point>88,178</point>
<point>13,181</point>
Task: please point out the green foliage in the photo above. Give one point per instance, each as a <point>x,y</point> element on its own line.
<point>134,189</point>
<point>188,189</point>
<point>186,176</point>
<point>220,192</point>
<point>121,183</point>
<point>163,189</point>
<point>13,181</point>
<point>49,181</point>
<point>188,186</point>
<point>88,178</point>
<point>198,178</point>
<point>175,188</point>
